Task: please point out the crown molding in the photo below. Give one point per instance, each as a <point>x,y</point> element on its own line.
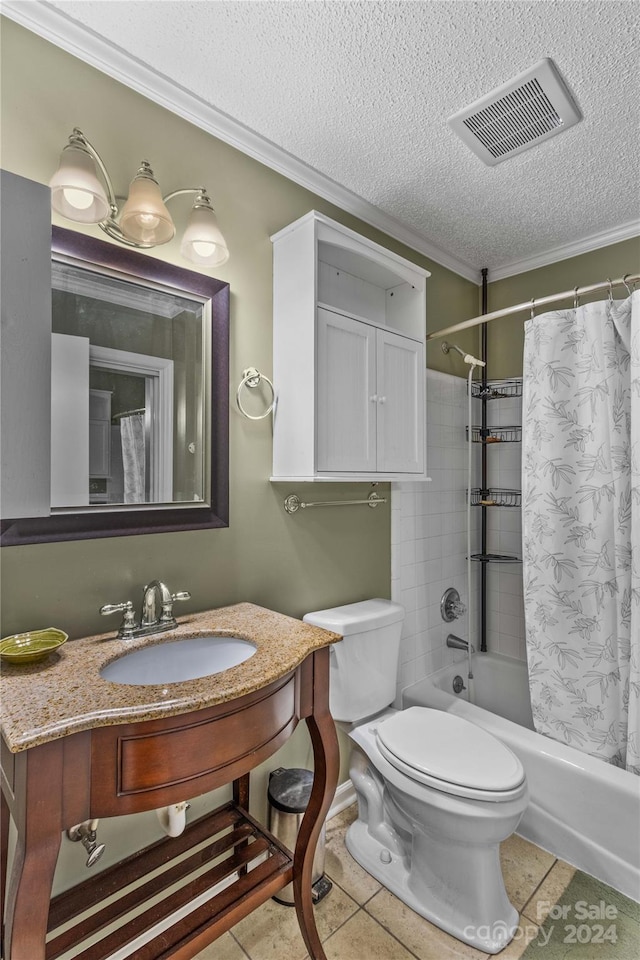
<point>55,26</point>
<point>625,231</point>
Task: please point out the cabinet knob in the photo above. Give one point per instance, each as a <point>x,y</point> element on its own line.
<point>374,398</point>
<point>382,399</point>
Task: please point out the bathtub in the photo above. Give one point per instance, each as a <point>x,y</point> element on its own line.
<point>583,810</point>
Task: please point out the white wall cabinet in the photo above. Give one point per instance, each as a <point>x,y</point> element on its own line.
<point>100,434</point>
<point>349,357</point>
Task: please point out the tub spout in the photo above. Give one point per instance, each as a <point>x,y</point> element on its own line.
<point>457,643</point>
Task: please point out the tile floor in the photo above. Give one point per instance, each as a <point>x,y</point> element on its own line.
<point>361,920</point>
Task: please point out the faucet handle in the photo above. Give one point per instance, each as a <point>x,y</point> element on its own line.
<point>128,619</point>
<point>451,606</point>
<point>109,608</point>
<point>167,605</point>
<point>181,595</point>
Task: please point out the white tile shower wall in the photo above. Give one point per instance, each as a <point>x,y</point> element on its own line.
<point>429,546</point>
<point>428,535</point>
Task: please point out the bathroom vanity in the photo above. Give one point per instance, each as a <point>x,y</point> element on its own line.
<point>77,747</point>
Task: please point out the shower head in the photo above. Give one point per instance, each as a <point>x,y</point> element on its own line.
<point>467,357</point>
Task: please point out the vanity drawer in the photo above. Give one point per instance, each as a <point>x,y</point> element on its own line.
<point>141,766</point>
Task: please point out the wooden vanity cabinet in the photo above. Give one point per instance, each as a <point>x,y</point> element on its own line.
<point>133,767</point>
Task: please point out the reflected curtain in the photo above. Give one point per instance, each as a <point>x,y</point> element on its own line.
<point>581,526</point>
<point>133,457</point>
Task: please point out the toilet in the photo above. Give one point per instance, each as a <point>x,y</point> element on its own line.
<point>436,794</point>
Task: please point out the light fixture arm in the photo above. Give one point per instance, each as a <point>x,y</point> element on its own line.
<point>78,139</point>
<point>202,198</point>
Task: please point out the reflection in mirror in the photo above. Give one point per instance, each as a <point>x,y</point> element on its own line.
<point>139,415</point>
<point>127,391</point>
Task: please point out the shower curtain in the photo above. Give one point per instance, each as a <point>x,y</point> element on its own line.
<point>133,457</point>
<point>581,526</point>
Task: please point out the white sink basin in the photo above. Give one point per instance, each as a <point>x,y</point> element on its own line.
<point>178,660</point>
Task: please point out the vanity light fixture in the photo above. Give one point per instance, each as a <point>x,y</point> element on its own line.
<point>78,194</point>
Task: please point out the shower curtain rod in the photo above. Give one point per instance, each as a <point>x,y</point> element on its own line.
<point>534,304</point>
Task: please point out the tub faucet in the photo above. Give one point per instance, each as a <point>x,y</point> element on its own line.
<point>457,643</point>
<point>451,606</point>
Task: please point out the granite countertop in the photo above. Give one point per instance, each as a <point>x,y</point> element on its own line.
<point>65,693</point>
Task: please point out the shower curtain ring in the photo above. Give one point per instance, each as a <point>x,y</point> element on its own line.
<point>576,298</point>
<point>533,308</point>
<point>610,290</point>
<point>627,287</point>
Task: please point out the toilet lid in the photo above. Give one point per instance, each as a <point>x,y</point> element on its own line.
<point>448,748</point>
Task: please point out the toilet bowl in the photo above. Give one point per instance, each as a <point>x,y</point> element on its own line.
<point>436,794</point>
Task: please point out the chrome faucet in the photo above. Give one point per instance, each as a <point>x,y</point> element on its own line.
<point>451,606</point>
<point>155,594</point>
<point>457,643</point>
<point>154,591</point>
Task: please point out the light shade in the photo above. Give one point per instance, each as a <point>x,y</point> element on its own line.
<point>76,192</point>
<point>202,242</point>
<point>145,219</point>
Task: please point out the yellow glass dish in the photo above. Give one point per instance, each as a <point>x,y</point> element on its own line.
<point>32,646</point>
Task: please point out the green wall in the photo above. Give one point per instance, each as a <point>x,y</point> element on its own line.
<point>505,337</point>
<point>292,564</point>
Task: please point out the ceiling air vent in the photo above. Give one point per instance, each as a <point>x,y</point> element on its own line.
<point>532,107</point>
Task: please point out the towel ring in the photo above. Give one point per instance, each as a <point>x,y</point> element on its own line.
<point>252,378</point>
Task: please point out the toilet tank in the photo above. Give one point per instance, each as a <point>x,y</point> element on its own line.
<point>364,665</point>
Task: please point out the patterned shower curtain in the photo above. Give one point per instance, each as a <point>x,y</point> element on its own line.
<point>581,526</point>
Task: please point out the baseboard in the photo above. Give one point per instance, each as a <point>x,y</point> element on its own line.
<point>345,795</point>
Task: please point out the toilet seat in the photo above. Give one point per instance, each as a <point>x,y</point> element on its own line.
<point>450,754</point>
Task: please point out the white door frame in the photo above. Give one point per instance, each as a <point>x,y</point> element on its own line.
<point>158,373</point>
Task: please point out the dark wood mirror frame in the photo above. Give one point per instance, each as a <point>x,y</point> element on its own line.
<point>131,521</point>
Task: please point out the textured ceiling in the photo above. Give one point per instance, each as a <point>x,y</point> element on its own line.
<point>361,91</point>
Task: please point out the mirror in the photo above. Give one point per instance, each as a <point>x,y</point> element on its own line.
<point>139,395</point>
<point>129,363</point>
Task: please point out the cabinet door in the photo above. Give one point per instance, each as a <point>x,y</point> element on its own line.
<point>99,449</point>
<point>100,434</point>
<point>25,358</point>
<point>346,394</point>
<point>401,403</point>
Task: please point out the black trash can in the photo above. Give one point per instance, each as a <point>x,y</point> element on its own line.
<point>288,794</point>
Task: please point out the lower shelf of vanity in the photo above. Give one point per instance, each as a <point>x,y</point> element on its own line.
<point>222,867</point>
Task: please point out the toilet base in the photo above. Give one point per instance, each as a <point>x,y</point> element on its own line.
<point>438,853</point>
<point>391,870</point>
